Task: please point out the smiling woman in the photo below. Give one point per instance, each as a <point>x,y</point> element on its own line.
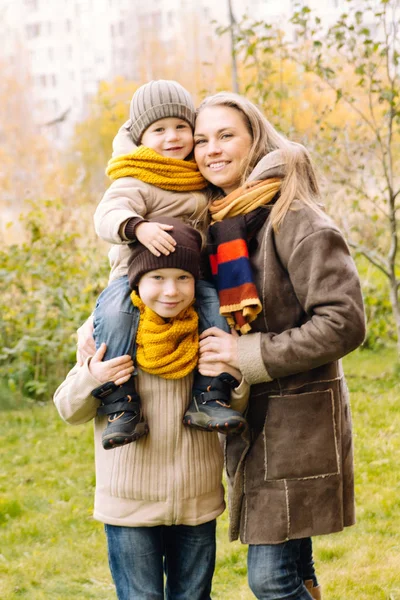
<point>299,308</point>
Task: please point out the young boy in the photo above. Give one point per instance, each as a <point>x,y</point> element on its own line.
<point>155,180</point>
<point>159,497</point>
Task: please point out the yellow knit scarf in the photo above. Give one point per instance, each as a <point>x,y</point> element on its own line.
<point>245,199</point>
<point>168,349</point>
<point>166,173</point>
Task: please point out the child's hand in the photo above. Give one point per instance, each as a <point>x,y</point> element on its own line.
<point>117,369</point>
<point>155,237</point>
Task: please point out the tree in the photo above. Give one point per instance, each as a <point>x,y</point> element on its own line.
<point>346,78</point>
<point>364,165</point>
<point>232,21</point>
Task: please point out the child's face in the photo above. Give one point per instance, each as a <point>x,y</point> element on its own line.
<point>169,137</point>
<point>167,291</point>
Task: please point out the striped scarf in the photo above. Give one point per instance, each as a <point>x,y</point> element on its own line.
<point>235,219</point>
<point>165,173</point>
<point>168,349</point>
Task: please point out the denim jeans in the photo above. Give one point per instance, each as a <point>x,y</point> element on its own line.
<point>305,564</point>
<point>116,319</point>
<point>273,571</point>
<point>139,557</point>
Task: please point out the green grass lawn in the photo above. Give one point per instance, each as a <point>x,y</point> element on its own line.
<point>51,548</point>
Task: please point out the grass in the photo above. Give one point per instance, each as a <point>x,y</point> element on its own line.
<point>52,549</point>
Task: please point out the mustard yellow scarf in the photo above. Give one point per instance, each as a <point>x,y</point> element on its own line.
<point>168,349</point>
<point>166,173</point>
<point>245,199</point>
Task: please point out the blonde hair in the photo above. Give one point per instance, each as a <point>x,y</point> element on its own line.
<point>299,182</point>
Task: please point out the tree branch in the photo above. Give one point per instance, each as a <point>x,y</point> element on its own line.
<point>373,258</point>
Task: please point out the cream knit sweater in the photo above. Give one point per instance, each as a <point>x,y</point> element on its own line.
<point>170,477</point>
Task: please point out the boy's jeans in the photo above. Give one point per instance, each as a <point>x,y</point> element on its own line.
<point>139,556</point>
<point>116,319</point>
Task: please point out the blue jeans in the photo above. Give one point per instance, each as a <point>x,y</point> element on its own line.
<point>139,557</point>
<point>274,570</point>
<point>305,564</point>
<point>116,319</point>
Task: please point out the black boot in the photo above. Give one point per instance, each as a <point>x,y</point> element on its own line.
<point>125,420</point>
<point>211,410</point>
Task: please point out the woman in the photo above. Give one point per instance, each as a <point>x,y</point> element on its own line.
<point>291,476</point>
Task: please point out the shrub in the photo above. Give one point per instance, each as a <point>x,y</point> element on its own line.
<point>48,286</point>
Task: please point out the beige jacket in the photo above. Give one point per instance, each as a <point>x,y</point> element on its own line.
<point>170,477</point>
<point>127,198</point>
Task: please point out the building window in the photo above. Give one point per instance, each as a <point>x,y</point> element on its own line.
<point>50,53</point>
<point>31,4</point>
<point>53,80</point>
<point>32,30</point>
<point>157,23</point>
<point>68,25</point>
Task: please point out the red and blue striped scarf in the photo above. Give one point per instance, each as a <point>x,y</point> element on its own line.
<point>235,220</point>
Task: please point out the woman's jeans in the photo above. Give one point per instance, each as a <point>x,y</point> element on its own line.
<point>116,319</point>
<point>277,571</point>
<point>139,557</point>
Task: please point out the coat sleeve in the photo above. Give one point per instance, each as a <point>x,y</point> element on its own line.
<point>324,279</point>
<point>240,396</point>
<point>125,198</point>
<point>73,398</point>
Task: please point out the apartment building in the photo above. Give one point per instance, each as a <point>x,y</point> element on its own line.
<point>70,47</point>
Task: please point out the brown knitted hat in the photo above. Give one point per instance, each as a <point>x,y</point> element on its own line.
<point>158,100</point>
<point>186,255</point>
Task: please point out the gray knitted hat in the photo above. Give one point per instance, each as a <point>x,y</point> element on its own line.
<point>186,256</point>
<point>158,100</point>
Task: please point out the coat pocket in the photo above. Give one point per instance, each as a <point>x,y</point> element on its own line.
<point>300,437</point>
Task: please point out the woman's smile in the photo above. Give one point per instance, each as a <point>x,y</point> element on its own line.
<point>218,166</point>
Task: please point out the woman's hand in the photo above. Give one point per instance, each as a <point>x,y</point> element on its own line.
<point>118,370</point>
<point>218,353</point>
<point>156,238</point>
<point>85,346</point>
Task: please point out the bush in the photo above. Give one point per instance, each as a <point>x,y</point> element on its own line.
<point>48,287</point>
<point>381,329</point>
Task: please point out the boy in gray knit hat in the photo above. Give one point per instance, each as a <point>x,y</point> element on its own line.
<point>154,177</point>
